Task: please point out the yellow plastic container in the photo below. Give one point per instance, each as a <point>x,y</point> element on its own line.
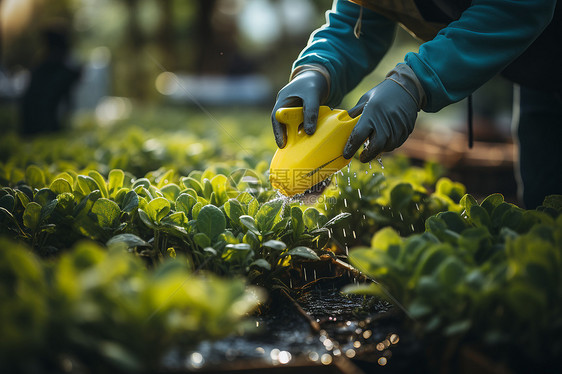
<point>306,159</point>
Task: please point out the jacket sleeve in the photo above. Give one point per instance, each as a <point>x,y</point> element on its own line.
<point>480,44</point>
<point>347,58</point>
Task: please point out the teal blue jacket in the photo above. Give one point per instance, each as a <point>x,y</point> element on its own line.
<point>487,37</point>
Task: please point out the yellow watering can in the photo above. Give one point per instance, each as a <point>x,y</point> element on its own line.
<point>308,160</point>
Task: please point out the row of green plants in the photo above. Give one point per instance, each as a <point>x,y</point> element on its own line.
<point>460,269</point>
<point>487,276</point>
<point>97,310</point>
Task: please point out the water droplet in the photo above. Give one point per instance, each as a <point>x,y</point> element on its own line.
<point>401,218</point>
<point>359,193</point>
<point>315,277</point>
<point>326,359</point>
<point>304,272</point>
<point>370,165</point>
<point>354,175</point>
<point>417,206</point>
<point>330,234</point>
<point>346,250</point>
<point>367,334</point>
<point>394,339</point>
<point>348,181</point>
<point>412,227</point>
<point>354,235</point>
<point>344,233</point>
<point>197,360</point>
<point>313,356</point>
<point>357,344</point>
<point>382,361</point>
<point>380,162</point>
<point>284,357</point>
<point>345,202</point>
<point>350,353</point>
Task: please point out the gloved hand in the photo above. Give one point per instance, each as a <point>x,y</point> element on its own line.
<point>308,89</point>
<point>389,112</point>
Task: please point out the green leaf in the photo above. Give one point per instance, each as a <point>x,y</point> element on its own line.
<point>234,209</point>
<point>107,212</point>
<point>297,222</point>
<point>261,263</point>
<point>267,214</point>
<point>115,181</point>
<point>130,240</point>
<point>310,218</point>
<point>170,191</point>
<point>219,188</point>
<point>239,246</point>
<point>303,252</point>
<point>60,185</point>
<point>385,238</point>
<point>253,207</point>
<point>401,196</point>
<point>275,244</point>
<point>141,182</point>
<point>157,209</point>
<point>35,177</point>
<point>130,202</point>
<point>22,197</point>
<point>491,202</point>
<point>165,178</point>
<point>87,184</point>
<point>176,219</point>
<point>102,186</point>
<point>196,209</point>
<point>453,221</point>
<point>336,219</point>
<point>31,215</point>
<point>8,202</point>
<point>458,327</point>
<point>480,216</point>
<point>467,202</point>
<point>451,272</point>
<point>453,190</point>
<point>44,196</point>
<point>211,221</point>
<point>185,202</point>
<point>145,218</point>
<point>202,240</point>
<point>364,289</point>
<point>250,224</point>
<point>207,189</point>
<point>47,209</point>
<point>190,182</point>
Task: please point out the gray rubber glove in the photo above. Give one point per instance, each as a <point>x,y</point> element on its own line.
<point>308,89</point>
<point>389,112</point>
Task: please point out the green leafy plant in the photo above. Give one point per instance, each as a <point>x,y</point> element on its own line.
<point>483,276</point>
<point>103,310</point>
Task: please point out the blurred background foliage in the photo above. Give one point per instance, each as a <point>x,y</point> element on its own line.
<point>218,59</point>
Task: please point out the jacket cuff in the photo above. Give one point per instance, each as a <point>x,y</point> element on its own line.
<point>407,79</point>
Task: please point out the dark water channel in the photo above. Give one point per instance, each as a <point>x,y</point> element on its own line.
<point>315,329</point>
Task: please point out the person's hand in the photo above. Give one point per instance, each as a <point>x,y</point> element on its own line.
<point>389,112</point>
<point>308,89</point>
